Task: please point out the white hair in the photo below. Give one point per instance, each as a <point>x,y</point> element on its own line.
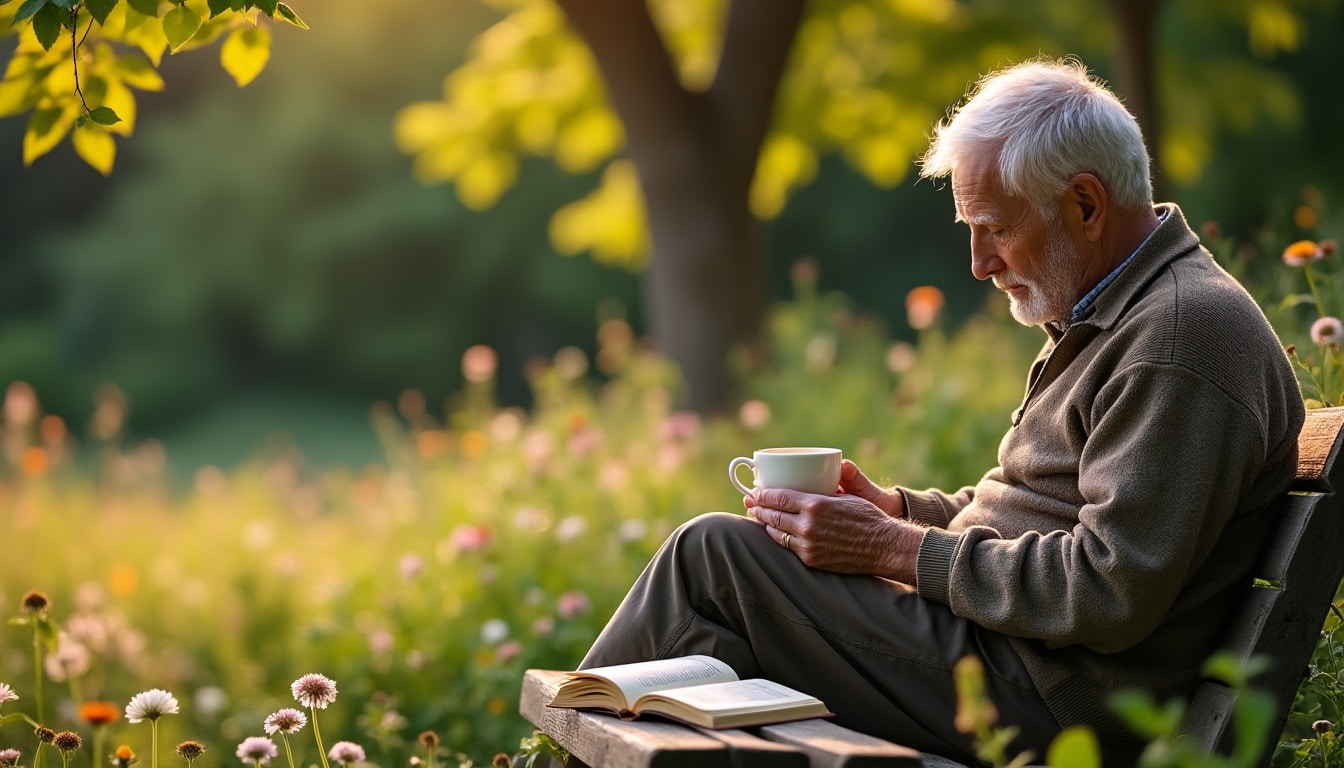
<point>1050,120</point>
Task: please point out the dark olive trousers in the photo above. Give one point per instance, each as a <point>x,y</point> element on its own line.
<point>879,655</point>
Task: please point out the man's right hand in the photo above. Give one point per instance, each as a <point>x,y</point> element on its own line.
<point>852,480</point>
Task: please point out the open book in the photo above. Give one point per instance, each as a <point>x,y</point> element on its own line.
<point>697,690</point>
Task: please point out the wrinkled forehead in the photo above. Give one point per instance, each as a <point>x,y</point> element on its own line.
<point>977,190</point>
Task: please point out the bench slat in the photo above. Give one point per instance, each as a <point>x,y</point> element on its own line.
<point>831,746</point>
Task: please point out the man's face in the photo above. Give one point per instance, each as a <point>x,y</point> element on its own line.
<point>1031,259</point>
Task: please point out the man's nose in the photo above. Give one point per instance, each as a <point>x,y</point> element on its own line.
<point>985,261</point>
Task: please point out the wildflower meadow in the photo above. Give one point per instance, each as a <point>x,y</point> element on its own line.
<point>291,615</point>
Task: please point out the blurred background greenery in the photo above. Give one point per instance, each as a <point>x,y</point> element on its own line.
<point>272,406</point>
<point>261,261</point>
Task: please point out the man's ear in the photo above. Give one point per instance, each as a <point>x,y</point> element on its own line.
<point>1087,205</point>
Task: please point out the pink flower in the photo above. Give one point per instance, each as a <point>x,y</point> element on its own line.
<point>572,604</point>
<point>285,721</point>
<point>754,414</point>
<point>7,693</point>
<point>257,750</point>
<point>479,364</point>
<point>470,538</point>
<point>346,752</point>
<point>411,565</point>
<point>1326,331</point>
<point>314,691</point>
<point>508,650</point>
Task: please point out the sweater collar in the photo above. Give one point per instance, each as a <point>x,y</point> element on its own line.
<point>1171,239</point>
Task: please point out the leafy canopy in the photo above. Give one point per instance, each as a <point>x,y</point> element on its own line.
<point>76,61</point>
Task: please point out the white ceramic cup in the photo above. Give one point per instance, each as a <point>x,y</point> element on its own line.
<point>810,470</point>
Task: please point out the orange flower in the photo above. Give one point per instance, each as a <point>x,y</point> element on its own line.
<point>922,306</point>
<point>1304,216</point>
<point>99,712</point>
<point>474,443</point>
<point>1301,252</point>
<point>34,461</point>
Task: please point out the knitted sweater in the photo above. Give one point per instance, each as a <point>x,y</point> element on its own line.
<point>1132,491</point>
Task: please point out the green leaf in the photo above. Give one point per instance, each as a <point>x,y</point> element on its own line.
<point>217,7</point>
<point>147,7</point>
<point>179,24</point>
<point>47,25</point>
<point>288,14</point>
<point>100,9</point>
<point>28,10</point>
<point>104,116</point>
<point>267,7</point>
<point>46,629</point>
<point>1253,713</point>
<point>1144,716</point>
<point>1075,747</point>
<point>64,4</point>
<point>236,5</point>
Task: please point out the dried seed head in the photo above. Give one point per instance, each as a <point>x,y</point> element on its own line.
<point>429,739</point>
<point>34,602</point>
<point>67,741</point>
<point>45,734</point>
<point>190,750</point>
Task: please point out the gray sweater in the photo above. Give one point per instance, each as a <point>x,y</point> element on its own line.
<point>1132,491</point>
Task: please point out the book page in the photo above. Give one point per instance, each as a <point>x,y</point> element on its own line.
<point>641,677</point>
<point>737,696</point>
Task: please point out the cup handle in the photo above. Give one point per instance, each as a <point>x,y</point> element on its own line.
<point>740,461</point>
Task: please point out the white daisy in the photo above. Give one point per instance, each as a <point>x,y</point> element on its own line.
<point>150,705</point>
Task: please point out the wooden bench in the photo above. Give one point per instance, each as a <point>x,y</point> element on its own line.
<point>1280,619</point>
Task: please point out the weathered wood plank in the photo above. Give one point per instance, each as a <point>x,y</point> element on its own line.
<point>750,750</point>
<point>828,745</point>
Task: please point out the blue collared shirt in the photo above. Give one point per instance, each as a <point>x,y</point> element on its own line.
<point>1084,305</point>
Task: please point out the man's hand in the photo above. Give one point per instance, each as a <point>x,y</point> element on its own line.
<point>855,531</point>
<point>852,480</point>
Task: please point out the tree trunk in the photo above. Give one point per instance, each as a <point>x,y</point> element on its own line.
<point>1136,24</point>
<point>696,155</point>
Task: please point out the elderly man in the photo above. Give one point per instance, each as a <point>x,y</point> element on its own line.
<point>1104,551</point>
